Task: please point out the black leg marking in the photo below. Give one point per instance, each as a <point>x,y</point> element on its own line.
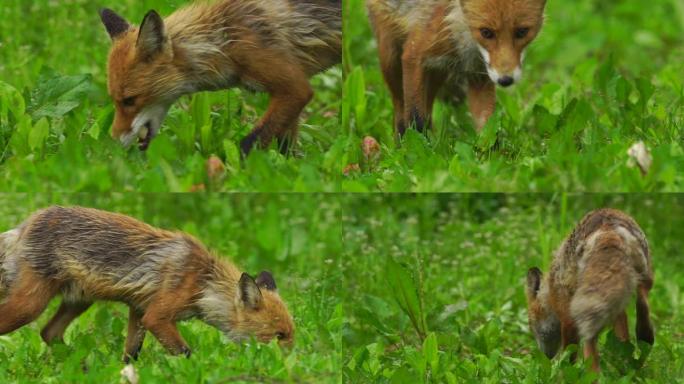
<point>249,142</point>
<point>422,123</point>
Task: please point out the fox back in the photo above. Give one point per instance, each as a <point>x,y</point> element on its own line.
<point>99,253</point>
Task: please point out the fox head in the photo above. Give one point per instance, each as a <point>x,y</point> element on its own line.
<point>543,321</point>
<point>143,77</point>
<point>502,30</point>
<point>260,312</point>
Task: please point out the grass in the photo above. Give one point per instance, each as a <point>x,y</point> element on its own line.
<point>300,245</point>
<point>436,288</point>
<point>601,77</point>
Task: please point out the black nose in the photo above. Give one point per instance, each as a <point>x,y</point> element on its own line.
<point>506,81</point>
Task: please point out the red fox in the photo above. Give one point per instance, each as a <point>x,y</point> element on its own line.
<point>458,46</point>
<point>273,46</point>
<point>86,255</point>
<point>593,275</point>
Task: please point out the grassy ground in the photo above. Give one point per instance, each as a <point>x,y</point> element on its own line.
<point>600,78</point>
<point>435,288</point>
<point>299,244</point>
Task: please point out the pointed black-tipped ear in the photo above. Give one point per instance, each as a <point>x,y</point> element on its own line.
<point>115,24</point>
<point>265,280</point>
<point>249,292</point>
<point>152,35</point>
<point>534,278</point>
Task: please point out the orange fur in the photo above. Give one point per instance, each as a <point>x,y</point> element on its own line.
<point>438,45</point>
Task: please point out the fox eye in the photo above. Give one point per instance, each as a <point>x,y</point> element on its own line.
<point>280,335</point>
<point>521,32</point>
<point>487,33</point>
<point>128,102</point>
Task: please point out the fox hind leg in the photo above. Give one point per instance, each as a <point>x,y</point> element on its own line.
<point>621,327</point>
<point>67,312</point>
<point>25,301</point>
<point>134,337</point>
<point>644,328</point>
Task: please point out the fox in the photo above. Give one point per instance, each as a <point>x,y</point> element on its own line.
<point>595,272</point>
<point>86,255</point>
<point>454,49</point>
<point>272,46</point>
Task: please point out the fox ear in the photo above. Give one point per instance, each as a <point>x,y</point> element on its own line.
<point>152,36</point>
<point>249,292</point>
<point>534,277</point>
<point>265,280</point>
<point>115,24</point>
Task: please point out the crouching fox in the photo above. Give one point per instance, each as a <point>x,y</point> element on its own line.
<point>86,255</point>
<point>460,47</point>
<point>273,46</point>
<point>594,273</point>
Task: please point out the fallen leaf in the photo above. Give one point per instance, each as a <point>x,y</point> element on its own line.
<point>350,169</point>
<point>215,169</point>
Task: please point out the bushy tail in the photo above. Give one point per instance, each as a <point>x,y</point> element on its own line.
<point>604,290</point>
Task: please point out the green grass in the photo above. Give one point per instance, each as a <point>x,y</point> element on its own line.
<point>436,288</point>
<point>601,77</point>
<point>300,245</point>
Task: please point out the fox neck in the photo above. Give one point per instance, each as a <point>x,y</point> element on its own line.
<point>200,53</point>
<point>457,26</point>
<point>456,35</point>
<point>217,304</point>
<point>202,68</point>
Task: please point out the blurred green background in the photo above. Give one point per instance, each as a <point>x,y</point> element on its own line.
<point>298,238</point>
<point>436,288</point>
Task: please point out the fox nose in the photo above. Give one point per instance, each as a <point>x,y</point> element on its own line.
<point>506,81</point>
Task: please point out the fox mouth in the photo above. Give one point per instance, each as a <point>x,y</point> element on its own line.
<point>145,138</point>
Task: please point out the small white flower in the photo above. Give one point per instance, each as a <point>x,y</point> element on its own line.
<point>640,155</point>
<point>129,375</point>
